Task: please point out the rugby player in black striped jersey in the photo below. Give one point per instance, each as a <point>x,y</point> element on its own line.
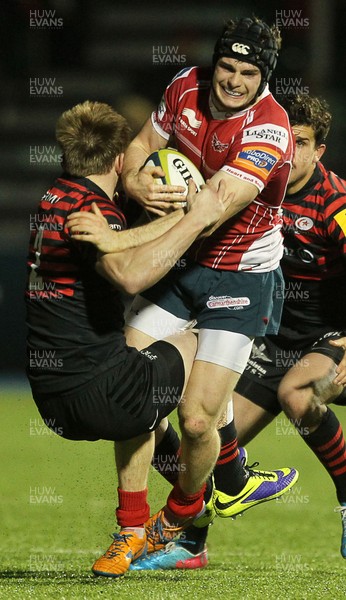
<point>87,383</point>
<point>303,369</point>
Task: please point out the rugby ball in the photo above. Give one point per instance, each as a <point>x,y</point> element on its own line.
<point>177,167</point>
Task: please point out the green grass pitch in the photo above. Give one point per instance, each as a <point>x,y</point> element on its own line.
<point>57,511</point>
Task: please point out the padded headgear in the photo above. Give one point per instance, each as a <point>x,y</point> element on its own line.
<point>252,41</point>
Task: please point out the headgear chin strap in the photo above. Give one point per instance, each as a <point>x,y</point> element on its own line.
<point>250,41</point>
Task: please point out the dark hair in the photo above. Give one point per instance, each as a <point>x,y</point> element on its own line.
<point>250,40</point>
<point>91,135</point>
<point>303,109</point>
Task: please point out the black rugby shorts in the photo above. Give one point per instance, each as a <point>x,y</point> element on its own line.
<point>268,364</point>
<point>122,402</point>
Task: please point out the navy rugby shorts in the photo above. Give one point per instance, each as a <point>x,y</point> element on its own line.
<point>237,301</point>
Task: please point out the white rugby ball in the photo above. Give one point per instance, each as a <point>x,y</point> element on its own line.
<point>177,167</point>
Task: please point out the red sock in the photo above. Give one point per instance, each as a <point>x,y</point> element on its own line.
<point>184,506</point>
<point>133,509</point>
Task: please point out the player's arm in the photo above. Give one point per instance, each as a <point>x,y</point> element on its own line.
<point>139,182</point>
<point>241,194</point>
<point>92,226</point>
<point>139,268</point>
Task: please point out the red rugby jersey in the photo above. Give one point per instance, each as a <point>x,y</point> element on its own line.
<point>254,145</point>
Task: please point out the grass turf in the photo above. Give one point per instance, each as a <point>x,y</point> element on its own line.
<point>57,508</point>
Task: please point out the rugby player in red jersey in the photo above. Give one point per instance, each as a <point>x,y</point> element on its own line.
<point>227,122</point>
<point>303,368</point>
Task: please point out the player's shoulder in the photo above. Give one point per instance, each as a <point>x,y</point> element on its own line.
<point>199,77</point>
<point>332,183</point>
<point>82,193</point>
<point>270,109</point>
<point>112,210</point>
<point>70,189</point>
<point>60,195</point>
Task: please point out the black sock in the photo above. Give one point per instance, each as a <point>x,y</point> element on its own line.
<point>166,455</point>
<point>194,538</point>
<point>229,474</point>
<point>328,443</point>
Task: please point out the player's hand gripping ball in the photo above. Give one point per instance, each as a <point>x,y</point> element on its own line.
<point>177,167</point>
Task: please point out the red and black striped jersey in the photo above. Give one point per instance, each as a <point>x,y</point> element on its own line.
<point>314,263</point>
<point>314,228</point>
<point>74,316</point>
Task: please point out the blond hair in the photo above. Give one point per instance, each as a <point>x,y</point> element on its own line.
<point>91,135</point>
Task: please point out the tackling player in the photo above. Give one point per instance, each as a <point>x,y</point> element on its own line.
<point>87,383</point>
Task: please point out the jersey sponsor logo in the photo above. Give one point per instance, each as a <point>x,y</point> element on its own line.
<point>240,48</point>
<point>270,133</point>
<point>217,145</point>
<point>259,352</point>
<point>255,368</point>
<point>305,255</point>
<point>115,226</point>
<point>331,334</point>
<point>257,159</point>
<point>149,354</point>
<point>228,302</point>
<point>51,198</point>
<point>304,223</point>
<point>191,117</point>
<point>251,178</point>
<point>340,218</point>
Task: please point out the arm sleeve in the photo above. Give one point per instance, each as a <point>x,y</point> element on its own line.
<point>257,154</point>
<point>163,118</point>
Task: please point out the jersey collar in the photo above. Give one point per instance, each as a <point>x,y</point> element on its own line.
<point>221,115</point>
<point>84,182</point>
<point>310,185</point>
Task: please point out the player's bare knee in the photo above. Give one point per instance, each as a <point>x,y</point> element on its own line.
<point>301,406</point>
<point>324,389</point>
<point>295,402</point>
<point>196,427</point>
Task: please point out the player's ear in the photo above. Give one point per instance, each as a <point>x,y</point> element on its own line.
<point>118,163</point>
<point>320,150</point>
